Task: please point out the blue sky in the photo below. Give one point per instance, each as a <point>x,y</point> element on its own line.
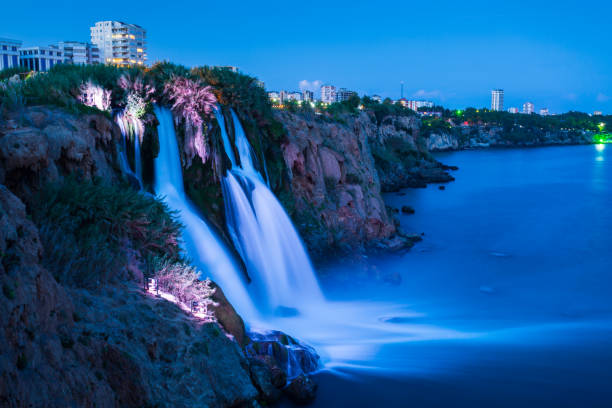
<point>556,54</point>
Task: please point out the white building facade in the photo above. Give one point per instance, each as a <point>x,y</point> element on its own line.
<point>9,53</point>
<point>328,94</point>
<point>120,43</point>
<point>307,95</point>
<point>528,108</point>
<point>513,110</point>
<point>497,100</point>
<point>79,53</point>
<point>40,58</point>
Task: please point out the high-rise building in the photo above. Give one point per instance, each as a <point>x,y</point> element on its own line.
<point>79,53</point>
<point>513,110</point>
<point>328,94</point>
<point>528,108</point>
<point>120,43</point>
<point>544,112</point>
<point>344,94</point>
<point>9,53</point>
<point>307,95</point>
<point>40,58</point>
<point>497,100</point>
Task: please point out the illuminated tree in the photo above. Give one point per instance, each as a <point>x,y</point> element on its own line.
<point>190,100</point>
<point>95,96</point>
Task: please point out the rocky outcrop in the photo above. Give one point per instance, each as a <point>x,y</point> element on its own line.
<point>478,136</point>
<point>43,144</point>
<point>334,182</point>
<point>113,345</point>
<point>437,142</point>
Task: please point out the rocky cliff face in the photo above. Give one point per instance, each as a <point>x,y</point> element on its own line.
<point>482,136</point>
<point>338,170</point>
<point>113,345</point>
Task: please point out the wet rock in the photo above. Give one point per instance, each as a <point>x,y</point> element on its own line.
<point>406,209</point>
<point>227,316</point>
<point>441,187</point>
<point>265,380</point>
<point>301,390</point>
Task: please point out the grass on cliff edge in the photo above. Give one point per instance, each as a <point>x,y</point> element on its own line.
<point>90,230</point>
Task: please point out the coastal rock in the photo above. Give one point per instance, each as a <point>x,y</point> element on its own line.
<point>302,390</point>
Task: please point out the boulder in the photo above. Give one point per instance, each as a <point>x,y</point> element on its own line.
<point>301,390</point>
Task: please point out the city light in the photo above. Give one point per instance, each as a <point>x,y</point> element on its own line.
<point>601,126</point>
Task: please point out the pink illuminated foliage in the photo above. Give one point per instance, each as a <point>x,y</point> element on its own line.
<point>190,100</point>
<point>94,95</point>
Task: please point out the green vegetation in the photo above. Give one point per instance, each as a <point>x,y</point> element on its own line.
<point>90,229</point>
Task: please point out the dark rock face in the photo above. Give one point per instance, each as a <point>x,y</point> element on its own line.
<point>46,144</point>
<point>301,390</point>
<point>279,350</point>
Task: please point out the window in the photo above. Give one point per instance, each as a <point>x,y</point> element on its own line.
<point>43,62</point>
<point>15,61</point>
<point>4,48</point>
<point>14,48</point>
<point>5,61</point>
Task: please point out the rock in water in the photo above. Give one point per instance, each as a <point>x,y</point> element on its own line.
<point>406,209</point>
<point>301,390</point>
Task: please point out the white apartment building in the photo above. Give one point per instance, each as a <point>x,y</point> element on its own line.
<point>513,110</point>
<point>415,105</point>
<point>497,100</point>
<point>120,43</point>
<point>40,58</point>
<point>544,112</point>
<point>376,98</point>
<point>307,95</point>
<point>328,94</point>
<point>528,108</point>
<point>9,53</point>
<point>79,53</point>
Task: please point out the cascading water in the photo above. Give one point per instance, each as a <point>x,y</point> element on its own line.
<point>262,232</point>
<point>226,143</point>
<point>131,128</point>
<point>200,243</point>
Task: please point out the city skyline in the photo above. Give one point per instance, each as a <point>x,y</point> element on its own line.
<point>531,55</point>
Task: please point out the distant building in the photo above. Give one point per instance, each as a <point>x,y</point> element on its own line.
<point>415,105</point>
<point>528,108</point>
<point>261,84</point>
<point>376,98</point>
<point>274,97</point>
<point>497,100</point>
<point>294,96</point>
<point>79,53</point>
<point>544,112</point>
<point>307,95</point>
<point>40,58</point>
<point>328,94</point>
<point>344,94</point>
<point>120,43</point>
<point>597,113</point>
<point>9,53</point>
<point>228,67</point>
<point>513,110</point>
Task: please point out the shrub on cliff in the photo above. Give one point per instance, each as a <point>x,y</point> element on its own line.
<point>88,229</point>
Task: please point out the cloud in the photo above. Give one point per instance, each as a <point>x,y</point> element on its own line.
<point>602,97</point>
<point>422,93</point>
<point>310,86</point>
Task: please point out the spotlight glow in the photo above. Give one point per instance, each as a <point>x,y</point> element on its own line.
<point>600,147</point>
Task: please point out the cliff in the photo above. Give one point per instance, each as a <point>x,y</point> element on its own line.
<point>483,136</point>
<point>76,326</point>
<point>337,170</point>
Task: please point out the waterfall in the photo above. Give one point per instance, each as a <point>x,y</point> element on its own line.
<point>226,143</point>
<point>282,274</point>
<point>131,128</point>
<point>200,242</point>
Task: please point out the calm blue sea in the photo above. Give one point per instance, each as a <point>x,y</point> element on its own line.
<point>516,259</point>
